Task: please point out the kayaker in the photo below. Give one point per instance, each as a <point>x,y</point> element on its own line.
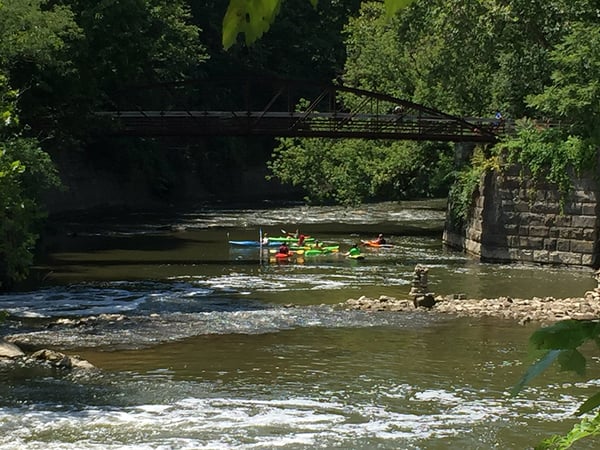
<point>265,239</point>
<point>284,249</point>
<point>353,251</point>
<point>380,240</point>
<point>301,240</point>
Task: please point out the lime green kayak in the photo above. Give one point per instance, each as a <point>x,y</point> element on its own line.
<point>322,250</point>
<point>289,239</point>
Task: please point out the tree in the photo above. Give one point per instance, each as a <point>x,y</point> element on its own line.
<point>26,172</point>
<point>573,94</point>
<point>118,45</point>
<point>33,35</point>
<point>354,171</point>
<point>565,137</point>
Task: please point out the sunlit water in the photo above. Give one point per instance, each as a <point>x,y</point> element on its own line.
<point>220,348</point>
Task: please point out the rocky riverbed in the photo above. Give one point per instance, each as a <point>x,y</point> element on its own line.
<point>537,309</point>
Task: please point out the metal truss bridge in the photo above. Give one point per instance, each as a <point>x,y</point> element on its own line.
<point>265,106</point>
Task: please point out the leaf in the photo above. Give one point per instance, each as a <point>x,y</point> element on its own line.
<point>572,360</point>
<point>589,404</point>
<point>251,17</point>
<point>583,429</point>
<point>566,334</point>
<point>254,17</point>
<point>535,370</point>
<point>393,6</point>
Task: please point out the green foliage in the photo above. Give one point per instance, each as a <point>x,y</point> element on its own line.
<point>466,186</point>
<point>561,343</point>
<point>8,99</point>
<point>34,31</point>
<point>34,36</point>
<point>574,92</point>
<point>566,141</point>
<point>375,60</point>
<point>393,6</point>
<point>254,18</point>
<point>353,171</point>
<point>548,154</point>
<point>585,428</point>
<point>136,41</point>
<point>25,173</point>
<point>251,18</point>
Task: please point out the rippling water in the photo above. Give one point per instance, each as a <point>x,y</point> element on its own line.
<point>200,345</point>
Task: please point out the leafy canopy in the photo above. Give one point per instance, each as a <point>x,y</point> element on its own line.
<point>34,31</point>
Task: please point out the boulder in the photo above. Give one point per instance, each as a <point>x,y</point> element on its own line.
<point>425,301</point>
<point>8,350</point>
<point>62,361</point>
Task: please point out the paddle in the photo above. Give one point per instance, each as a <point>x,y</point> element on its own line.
<point>290,234</point>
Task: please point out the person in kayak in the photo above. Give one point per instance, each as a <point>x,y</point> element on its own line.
<point>380,240</point>
<point>265,239</point>
<point>301,240</point>
<point>284,249</point>
<point>353,251</point>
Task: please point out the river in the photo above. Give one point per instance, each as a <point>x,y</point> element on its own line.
<point>213,347</point>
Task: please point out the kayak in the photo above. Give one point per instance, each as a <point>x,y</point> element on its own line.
<point>254,243</point>
<point>289,239</point>
<point>281,258</point>
<point>359,257</point>
<point>376,244</point>
<point>322,250</point>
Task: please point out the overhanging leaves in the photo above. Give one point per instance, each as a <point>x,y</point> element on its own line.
<point>535,370</point>
<point>251,17</point>
<point>561,340</point>
<point>591,403</point>
<point>254,17</point>
<point>567,334</point>
<point>572,360</point>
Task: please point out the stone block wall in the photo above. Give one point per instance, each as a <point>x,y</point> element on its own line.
<point>514,221</point>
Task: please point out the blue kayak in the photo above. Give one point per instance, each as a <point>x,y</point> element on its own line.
<point>253,244</point>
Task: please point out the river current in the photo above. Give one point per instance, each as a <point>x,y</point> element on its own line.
<point>201,345</point>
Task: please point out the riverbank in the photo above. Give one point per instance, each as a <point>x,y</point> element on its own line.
<point>544,310</point>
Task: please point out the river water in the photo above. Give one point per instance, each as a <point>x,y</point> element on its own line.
<point>218,348</point>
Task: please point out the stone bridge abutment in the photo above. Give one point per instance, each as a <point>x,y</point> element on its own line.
<point>514,220</point>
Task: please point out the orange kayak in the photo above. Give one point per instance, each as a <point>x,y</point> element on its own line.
<point>376,244</point>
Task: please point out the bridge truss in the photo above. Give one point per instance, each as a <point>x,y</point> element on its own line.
<point>262,106</point>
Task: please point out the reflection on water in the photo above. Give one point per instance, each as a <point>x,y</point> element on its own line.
<point>205,346</point>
